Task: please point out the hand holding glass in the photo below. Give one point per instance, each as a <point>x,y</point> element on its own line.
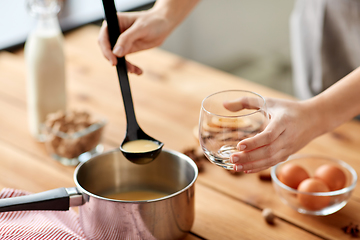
<point>226,118</point>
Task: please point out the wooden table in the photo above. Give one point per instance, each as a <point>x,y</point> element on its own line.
<point>167,101</point>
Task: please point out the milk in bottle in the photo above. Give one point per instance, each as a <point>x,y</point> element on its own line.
<point>45,63</point>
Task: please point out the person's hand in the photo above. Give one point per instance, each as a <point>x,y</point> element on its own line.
<point>140,31</point>
<point>292,125</point>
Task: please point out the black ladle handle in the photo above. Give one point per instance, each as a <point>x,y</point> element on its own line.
<point>114,33</point>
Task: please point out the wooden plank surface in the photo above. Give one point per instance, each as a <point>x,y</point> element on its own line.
<point>167,102</point>
<point>222,217</point>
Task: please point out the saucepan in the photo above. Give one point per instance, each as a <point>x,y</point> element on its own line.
<point>167,217</point>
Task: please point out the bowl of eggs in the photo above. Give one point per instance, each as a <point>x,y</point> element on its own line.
<point>314,185</point>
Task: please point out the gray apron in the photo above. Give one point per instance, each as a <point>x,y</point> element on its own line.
<point>325,43</point>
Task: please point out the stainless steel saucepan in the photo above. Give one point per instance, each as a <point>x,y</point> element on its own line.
<point>170,217</point>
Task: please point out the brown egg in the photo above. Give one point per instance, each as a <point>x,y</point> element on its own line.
<point>292,175</point>
<point>332,175</point>
<point>310,202</point>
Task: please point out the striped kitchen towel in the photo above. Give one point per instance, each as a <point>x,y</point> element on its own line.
<point>39,225</point>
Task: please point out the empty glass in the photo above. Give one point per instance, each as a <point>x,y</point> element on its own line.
<point>226,118</point>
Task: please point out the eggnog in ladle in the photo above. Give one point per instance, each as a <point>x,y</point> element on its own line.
<point>139,146</point>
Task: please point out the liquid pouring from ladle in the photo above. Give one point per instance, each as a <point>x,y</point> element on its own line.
<point>133,131</point>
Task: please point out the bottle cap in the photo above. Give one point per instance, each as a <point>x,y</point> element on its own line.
<point>43,7</point>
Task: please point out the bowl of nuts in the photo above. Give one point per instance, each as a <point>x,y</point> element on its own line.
<point>314,185</point>
<point>73,137</point>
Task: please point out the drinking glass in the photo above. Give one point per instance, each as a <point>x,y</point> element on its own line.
<point>222,128</point>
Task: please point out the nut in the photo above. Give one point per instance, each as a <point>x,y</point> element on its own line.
<point>62,133</point>
<point>265,175</point>
<point>352,229</point>
<point>268,215</point>
<point>197,156</point>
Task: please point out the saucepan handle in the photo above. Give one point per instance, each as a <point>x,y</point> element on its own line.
<point>60,199</point>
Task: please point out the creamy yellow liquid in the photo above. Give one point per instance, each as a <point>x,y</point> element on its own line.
<point>138,146</point>
<point>136,195</point>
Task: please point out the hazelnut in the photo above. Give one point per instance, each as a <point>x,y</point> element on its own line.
<point>268,215</point>
<point>265,175</point>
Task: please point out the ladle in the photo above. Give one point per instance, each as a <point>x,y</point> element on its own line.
<point>133,130</point>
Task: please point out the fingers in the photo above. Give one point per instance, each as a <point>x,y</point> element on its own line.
<point>266,137</point>
<point>233,106</point>
<point>267,150</point>
<point>264,152</point>
<point>242,103</point>
<point>285,134</point>
<point>256,166</point>
<point>105,46</point>
<point>126,40</point>
<point>133,69</point>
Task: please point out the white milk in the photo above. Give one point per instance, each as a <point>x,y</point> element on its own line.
<point>45,61</point>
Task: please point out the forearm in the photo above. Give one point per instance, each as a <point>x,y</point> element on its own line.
<point>337,104</point>
<point>174,10</point>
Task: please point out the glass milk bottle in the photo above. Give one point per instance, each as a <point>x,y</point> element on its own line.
<point>45,62</point>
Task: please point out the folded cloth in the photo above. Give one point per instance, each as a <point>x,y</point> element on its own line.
<point>39,225</point>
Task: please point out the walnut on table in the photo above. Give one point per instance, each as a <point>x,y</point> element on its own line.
<point>198,156</point>
<point>352,229</point>
<point>265,175</point>
<point>235,173</point>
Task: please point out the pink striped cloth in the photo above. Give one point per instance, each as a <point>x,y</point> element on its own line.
<point>39,225</point>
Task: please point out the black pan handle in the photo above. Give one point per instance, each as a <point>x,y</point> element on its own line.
<point>59,199</point>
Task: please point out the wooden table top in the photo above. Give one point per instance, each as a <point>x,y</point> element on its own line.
<point>167,100</point>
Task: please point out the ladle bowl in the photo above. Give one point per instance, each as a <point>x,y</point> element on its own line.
<point>141,157</point>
